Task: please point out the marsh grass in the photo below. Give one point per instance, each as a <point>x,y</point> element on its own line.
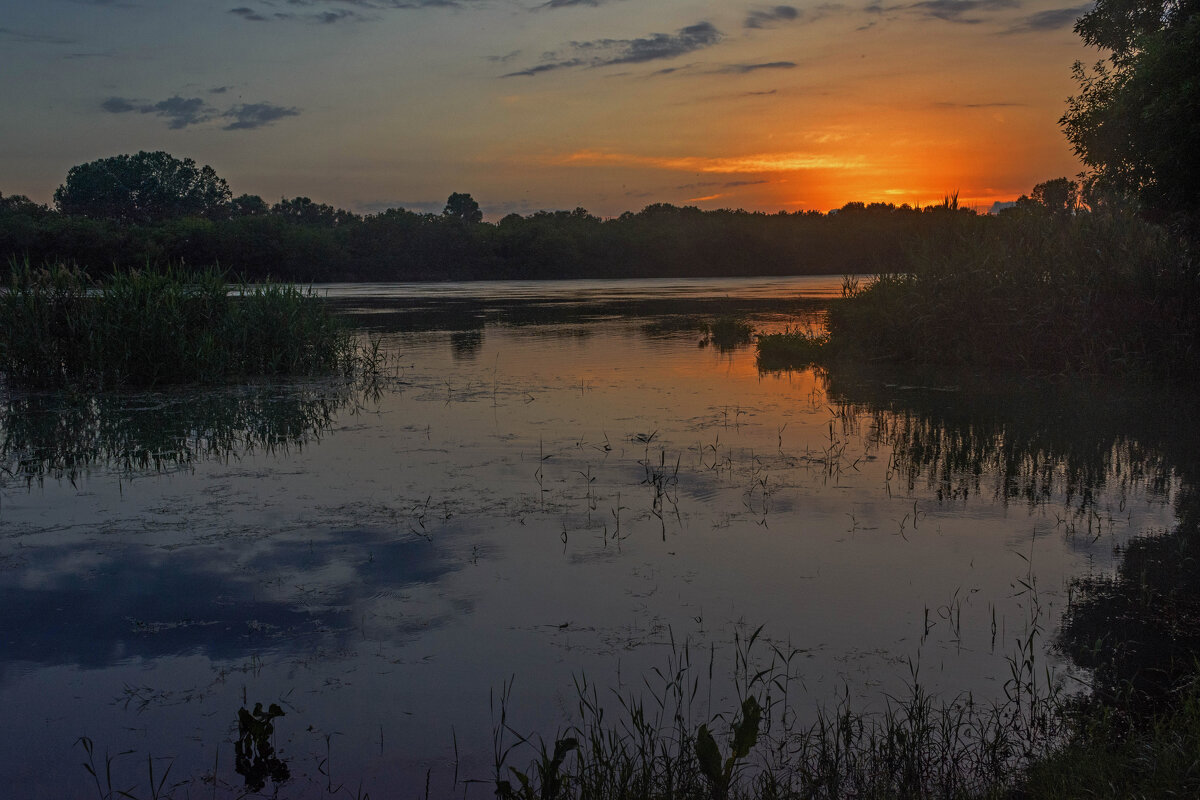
<point>153,328</point>
<point>1093,293</point>
<point>791,349</point>
<point>662,742</point>
<point>727,332</point>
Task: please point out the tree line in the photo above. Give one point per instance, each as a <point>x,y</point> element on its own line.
<point>152,209</point>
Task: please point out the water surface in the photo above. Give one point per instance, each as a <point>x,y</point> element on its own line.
<point>532,501</point>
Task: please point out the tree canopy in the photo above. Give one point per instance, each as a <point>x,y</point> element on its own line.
<point>146,187</point>
<point>1136,121</point>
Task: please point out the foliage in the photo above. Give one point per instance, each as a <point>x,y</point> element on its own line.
<point>1135,121</point>
<point>146,187</point>
<point>153,328</point>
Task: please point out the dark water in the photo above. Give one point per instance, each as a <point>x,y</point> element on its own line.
<point>544,486</point>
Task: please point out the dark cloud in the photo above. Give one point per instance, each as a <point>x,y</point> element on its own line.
<point>255,115</point>
<point>960,11</point>
<point>181,112</point>
<point>325,16</point>
<point>760,94</point>
<point>326,12</point>
<point>219,89</point>
<point>117,105</point>
<point>1052,20</point>
<point>22,37</point>
<point>607,52</point>
<point>771,17</point>
<point>742,69</point>
<point>248,14</point>
<point>569,3</point>
<point>965,12</point>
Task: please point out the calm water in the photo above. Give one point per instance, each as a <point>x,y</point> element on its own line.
<point>530,502</point>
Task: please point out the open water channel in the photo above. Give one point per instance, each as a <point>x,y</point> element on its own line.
<point>550,481</point>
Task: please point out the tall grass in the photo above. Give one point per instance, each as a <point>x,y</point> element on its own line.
<point>1091,293</point>
<point>150,328</point>
<point>661,743</point>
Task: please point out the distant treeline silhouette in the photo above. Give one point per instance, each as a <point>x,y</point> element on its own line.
<point>153,209</point>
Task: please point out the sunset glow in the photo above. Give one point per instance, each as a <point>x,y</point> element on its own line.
<point>603,104</point>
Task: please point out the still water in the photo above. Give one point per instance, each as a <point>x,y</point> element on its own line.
<point>550,481</point>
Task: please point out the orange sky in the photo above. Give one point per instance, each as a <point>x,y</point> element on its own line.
<point>606,104</point>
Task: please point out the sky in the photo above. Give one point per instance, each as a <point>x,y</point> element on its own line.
<point>609,105</point>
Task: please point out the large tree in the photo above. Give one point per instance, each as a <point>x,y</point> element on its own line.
<point>1136,121</point>
<point>146,187</point>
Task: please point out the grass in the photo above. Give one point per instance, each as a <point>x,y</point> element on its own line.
<point>658,744</point>
<point>727,332</point>
<point>791,349</point>
<point>148,328</point>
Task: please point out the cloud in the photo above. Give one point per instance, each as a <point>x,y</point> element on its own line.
<point>21,37</point>
<point>977,105</point>
<point>327,12</point>
<point>570,3</point>
<point>1052,20</point>
<point>963,12</point>
<point>182,112</point>
<point>960,11</point>
<point>255,115</point>
<point>742,69</point>
<point>607,52</point>
<point>761,162</point>
<point>179,112</point>
<point>771,17</point>
<point>248,14</point>
<point>326,16</point>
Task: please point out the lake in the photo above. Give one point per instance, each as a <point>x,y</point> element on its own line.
<point>552,482</point>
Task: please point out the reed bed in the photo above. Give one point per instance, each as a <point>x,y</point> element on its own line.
<point>1093,293</point>
<point>153,328</point>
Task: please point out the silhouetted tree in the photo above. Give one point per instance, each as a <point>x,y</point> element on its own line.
<point>463,207</point>
<point>1059,196</point>
<point>1136,120</point>
<point>146,187</point>
<point>248,205</point>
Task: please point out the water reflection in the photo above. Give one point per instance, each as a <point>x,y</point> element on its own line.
<point>63,435</point>
<point>127,602</point>
<point>1012,440</point>
<point>539,499</point>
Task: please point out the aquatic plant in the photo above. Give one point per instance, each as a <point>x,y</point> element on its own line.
<point>150,328</point>
<point>791,349</point>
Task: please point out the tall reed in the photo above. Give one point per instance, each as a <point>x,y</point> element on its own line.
<point>150,328</point>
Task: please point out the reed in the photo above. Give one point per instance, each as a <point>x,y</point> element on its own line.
<point>1093,293</point>
<point>152,328</point>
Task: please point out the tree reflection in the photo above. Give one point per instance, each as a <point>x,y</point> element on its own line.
<point>1137,631</point>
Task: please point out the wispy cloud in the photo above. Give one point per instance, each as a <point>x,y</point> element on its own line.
<point>607,52</point>
<point>965,12</point>
<point>183,112</point>
<point>977,105</point>
<point>327,12</point>
<point>1051,20</point>
<point>742,69</point>
<point>326,16</point>
<point>771,17</point>
<point>761,162</point>
<point>570,3</point>
<point>255,115</point>
<point>24,37</point>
